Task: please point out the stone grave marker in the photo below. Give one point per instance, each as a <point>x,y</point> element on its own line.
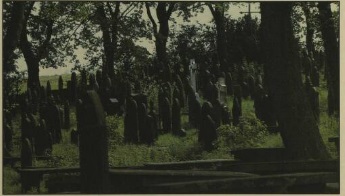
<point>131,121</point>
<point>60,87</point>
<point>193,72</point>
<point>75,137</point>
<point>67,121</point>
<point>26,153</point>
<point>236,111</point>
<point>166,115</point>
<point>93,145</point>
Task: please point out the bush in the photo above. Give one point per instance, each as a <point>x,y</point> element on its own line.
<point>249,133</point>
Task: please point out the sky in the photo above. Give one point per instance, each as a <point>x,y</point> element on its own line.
<point>203,18</point>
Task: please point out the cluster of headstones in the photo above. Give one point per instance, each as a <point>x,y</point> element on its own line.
<point>42,119</point>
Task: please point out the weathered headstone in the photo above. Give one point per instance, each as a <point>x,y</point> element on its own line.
<point>92,129</point>
<point>180,87</point>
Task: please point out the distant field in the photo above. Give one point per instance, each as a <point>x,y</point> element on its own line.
<point>53,81</point>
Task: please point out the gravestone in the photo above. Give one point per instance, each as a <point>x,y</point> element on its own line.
<point>93,145</point>
<point>238,94</point>
<point>43,95</point>
<point>166,115</point>
<point>61,88</point>
<point>207,131</point>
<point>131,121</point>
<point>236,111</point>
<point>42,139</point>
<point>49,89</point>
<point>180,87</point>
<point>193,71</point>
<point>222,90</point>
<point>26,153</point>
<point>176,117</point>
<point>226,115</point>
<point>228,82</point>
<point>251,86</point>
<point>258,102</point>
<point>75,137</point>
<point>217,112</point>
<point>74,88</point>
<point>142,123</point>
<point>67,121</point>
<point>245,90</point>
<point>153,121</point>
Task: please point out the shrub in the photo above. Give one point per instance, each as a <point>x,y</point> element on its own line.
<point>249,133</point>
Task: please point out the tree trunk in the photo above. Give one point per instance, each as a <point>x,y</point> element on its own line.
<point>310,29</point>
<point>218,15</point>
<point>12,36</point>
<point>331,46</point>
<point>163,33</point>
<point>298,126</point>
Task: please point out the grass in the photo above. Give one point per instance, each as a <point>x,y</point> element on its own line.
<point>168,147</point>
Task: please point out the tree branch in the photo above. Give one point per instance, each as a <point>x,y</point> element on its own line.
<point>127,10</point>
<point>211,8</point>
<point>170,9</point>
<point>154,25</point>
<point>42,50</point>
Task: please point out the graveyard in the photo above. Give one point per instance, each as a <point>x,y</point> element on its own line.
<point>219,110</point>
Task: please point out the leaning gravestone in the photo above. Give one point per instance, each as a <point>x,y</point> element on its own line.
<point>179,85</point>
<point>93,145</point>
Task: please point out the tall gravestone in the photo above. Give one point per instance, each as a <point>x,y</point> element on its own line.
<point>236,111</point>
<point>131,121</point>
<point>49,89</point>
<point>166,115</point>
<point>207,131</point>
<point>67,120</point>
<point>26,153</point>
<point>61,95</point>
<point>74,87</point>
<point>193,73</point>
<point>176,117</point>
<point>93,145</point>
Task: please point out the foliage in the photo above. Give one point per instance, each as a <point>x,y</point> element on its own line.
<point>249,133</point>
<point>11,181</point>
<point>12,89</point>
